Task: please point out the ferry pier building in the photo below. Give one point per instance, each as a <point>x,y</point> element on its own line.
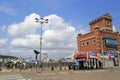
<point>102,43</point>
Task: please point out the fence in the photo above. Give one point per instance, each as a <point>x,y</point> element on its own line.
<point>44,64</point>
<point>56,64</point>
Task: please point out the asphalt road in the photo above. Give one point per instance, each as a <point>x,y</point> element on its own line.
<point>103,74</point>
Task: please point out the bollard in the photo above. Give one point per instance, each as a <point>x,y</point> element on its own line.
<point>65,68</point>
<point>60,68</point>
<point>0,69</point>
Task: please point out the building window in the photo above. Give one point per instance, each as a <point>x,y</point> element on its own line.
<point>87,43</point>
<point>94,41</point>
<point>107,23</point>
<point>83,44</point>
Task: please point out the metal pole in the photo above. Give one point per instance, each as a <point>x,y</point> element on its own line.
<point>118,59</point>
<point>36,57</point>
<point>103,60</point>
<point>36,64</point>
<point>101,45</point>
<point>40,45</point>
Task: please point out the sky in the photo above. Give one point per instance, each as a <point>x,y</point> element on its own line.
<point>20,34</point>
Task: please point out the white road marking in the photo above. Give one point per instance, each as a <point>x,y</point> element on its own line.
<point>11,77</point>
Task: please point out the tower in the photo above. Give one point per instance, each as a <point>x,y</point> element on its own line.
<point>103,22</point>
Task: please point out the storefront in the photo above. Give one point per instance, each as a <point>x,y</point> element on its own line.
<point>88,61</point>
<point>93,60</point>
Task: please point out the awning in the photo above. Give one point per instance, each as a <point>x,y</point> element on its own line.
<point>82,56</point>
<point>79,56</point>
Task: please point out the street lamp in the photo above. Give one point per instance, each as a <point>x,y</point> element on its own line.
<point>36,57</point>
<point>41,21</point>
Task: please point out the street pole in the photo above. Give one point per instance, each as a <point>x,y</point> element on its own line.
<point>36,57</point>
<point>41,21</point>
<point>40,63</point>
<point>102,53</point>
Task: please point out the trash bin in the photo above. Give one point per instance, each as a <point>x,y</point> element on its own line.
<point>52,68</point>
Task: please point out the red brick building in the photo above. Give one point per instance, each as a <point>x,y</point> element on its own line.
<point>101,38</point>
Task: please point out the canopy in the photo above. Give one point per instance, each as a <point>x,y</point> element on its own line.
<point>79,56</point>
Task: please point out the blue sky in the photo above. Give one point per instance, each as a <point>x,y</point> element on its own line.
<point>17,26</point>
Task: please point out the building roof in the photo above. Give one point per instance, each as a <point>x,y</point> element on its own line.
<point>105,16</point>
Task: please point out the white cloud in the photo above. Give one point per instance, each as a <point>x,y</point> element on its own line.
<point>28,26</point>
<point>83,30</point>
<point>59,37</point>
<point>30,41</point>
<point>3,42</point>
<point>114,29</point>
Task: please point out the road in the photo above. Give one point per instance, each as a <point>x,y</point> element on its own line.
<point>103,74</point>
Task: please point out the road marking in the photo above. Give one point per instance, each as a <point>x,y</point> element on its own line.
<point>46,74</point>
<point>63,72</point>
<point>11,77</point>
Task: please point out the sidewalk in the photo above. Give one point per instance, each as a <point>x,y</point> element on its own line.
<point>33,69</point>
<point>49,69</point>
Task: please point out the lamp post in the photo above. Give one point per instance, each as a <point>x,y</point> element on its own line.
<point>36,57</point>
<point>41,21</point>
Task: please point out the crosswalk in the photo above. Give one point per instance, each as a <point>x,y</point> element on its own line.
<point>11,77</point>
